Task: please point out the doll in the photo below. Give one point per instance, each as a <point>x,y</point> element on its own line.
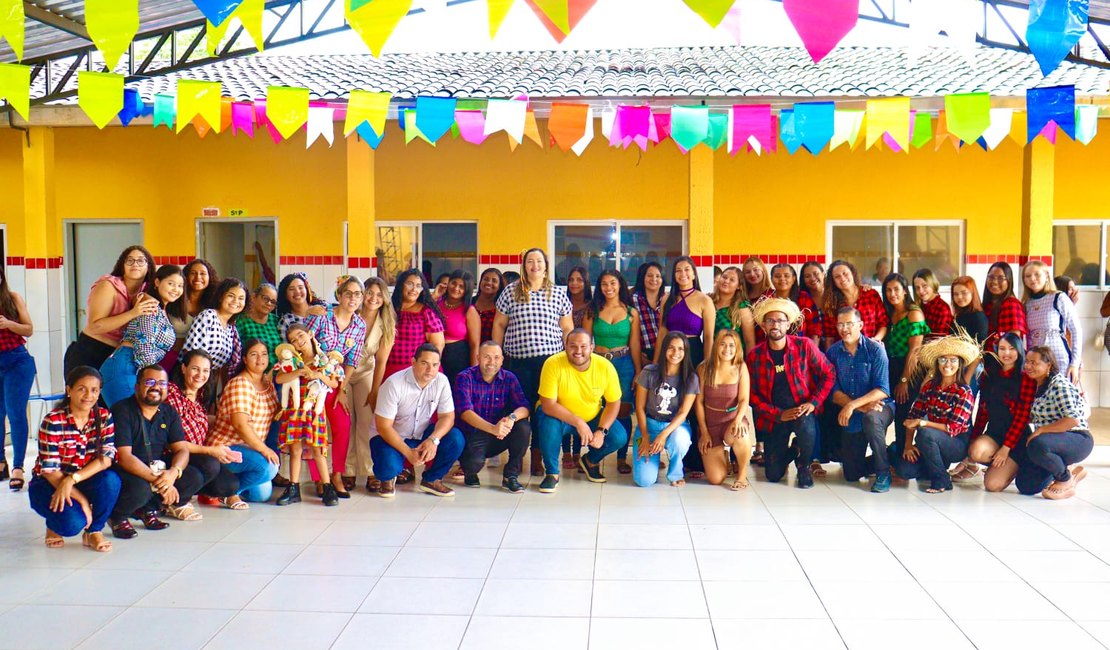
<point>289,361</point>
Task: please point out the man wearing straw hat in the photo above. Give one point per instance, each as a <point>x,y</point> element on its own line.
<point>790,380</point>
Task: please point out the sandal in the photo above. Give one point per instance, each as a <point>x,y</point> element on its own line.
<point>406,476</point>
<point>235,503</point>
<point>757,458</point>
<point>96,542</point>
<point>739,484</point>
<point>817,470</point>
<point>372,484</point>
<point>1060,490</point>
<point>348,483</point>
<point>16,483</point>
<point>696,474</point>
<point>54,540</point>
<point>624,468</point>
<point>679,483</point>
<point>1078,473</point>
<point>965,471</point>
<point>184,513</point>
<point>569,462</point>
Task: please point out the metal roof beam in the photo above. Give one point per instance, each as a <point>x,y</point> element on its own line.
<point>46,17</point>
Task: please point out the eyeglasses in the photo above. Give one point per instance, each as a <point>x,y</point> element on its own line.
<point>949,361</point>
<point>151,383</point>
<point>413,285</point>
<point>347,295</point>
<point>135,261</point>
<point>849,325</point>
<point>775,321</point>
<point>996,278</point>
<point>266,300</point>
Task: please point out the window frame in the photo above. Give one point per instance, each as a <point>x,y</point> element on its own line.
<point>1103,225</point>
<point>895,225</point>
<point>419,225</point>
<point>618,224</point>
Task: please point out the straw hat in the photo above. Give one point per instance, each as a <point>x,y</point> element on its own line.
<point>765,306</point>
<point>281,348</point>
<point>960,345</point>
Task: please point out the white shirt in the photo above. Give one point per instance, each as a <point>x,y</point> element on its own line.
<point>410,406</point>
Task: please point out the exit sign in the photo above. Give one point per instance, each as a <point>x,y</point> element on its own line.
<point>210,212</point>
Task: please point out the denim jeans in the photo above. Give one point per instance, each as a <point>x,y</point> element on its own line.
<point>101,489</point>
<point>254,472</point>
<point>17,375</point>
<point>550,432</point>
<point>388,462</point>
<point>119,376</point>
<point>645,469</point>
<point>854,444</point>
<point>481,445</point>
<point>1047,459</point>
<point>938,451</point>
<point>777,453</point>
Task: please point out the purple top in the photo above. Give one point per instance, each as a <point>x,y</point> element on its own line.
<point>679,318</point>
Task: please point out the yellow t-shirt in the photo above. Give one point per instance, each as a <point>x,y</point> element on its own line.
<point>580,392</point>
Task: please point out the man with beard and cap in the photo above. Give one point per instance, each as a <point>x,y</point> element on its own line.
<point>790,381</point>
<point>152,458</point>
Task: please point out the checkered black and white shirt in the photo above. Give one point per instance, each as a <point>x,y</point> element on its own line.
<point>533,329</point>
<point>1059,399</point>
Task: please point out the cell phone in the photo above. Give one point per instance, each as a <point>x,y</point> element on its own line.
<point>236,456</point>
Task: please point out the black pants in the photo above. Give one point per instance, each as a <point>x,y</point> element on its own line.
<point>481,445</point>
<point>217,480</point>
<point>938,451</point>
<point>86,351</point>
<point>456,358</point>
<point>829,432</point>
<point>902,411</point>
<point>1047,459</point>
<point>777,451</point>
<point>135,493</point>
<point>692,462</point>
<point>527,370</point>
<point>854,444</point>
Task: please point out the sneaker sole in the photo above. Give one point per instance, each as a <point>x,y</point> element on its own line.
<point>428,490</point>
<point>582,466</point>
<point>512,491</point>
<point>544,490</point>
<point>387,495</point>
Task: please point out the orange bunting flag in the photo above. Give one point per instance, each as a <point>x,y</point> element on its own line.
<point>567,124</point>
<point>532,129</point>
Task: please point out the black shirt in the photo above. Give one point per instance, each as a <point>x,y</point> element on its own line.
<point>780,391</point>
<point>974,323</point>
<point>133,430</point>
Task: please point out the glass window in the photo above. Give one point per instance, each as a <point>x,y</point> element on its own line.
<point>447,247</point>
<point>592,247</point>
<point>641,244</point>
<point>396,250</point>
<point>869,247</point>
<point>932,247</point>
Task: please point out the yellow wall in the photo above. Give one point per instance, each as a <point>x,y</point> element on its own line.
<point>1082,190</point>
<point>779,203</point>
<point>11,190</point>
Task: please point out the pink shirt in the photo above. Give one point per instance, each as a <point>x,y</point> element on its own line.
<point>121,302</point>
<point>455,327</point>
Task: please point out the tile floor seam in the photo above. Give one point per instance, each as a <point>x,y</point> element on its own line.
<point>697,563</point>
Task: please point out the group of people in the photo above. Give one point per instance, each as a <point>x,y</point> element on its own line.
<point>184,385</point>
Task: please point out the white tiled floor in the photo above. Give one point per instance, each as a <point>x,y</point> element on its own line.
<point>592,566</point>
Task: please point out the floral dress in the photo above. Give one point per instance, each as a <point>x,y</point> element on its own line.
<point>305,425</point>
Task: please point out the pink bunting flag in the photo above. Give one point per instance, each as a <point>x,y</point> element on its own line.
<point>472,125</point>
<point>242,118</point>
<point>634,124</point>
<point>1049,131</point>
<point>889,141</point>
<point>260,118</point>
<point>661,127</point>
<point>752,121</point>
<point>822,23</point>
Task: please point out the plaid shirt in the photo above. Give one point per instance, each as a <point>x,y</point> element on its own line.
<point>999,391</point>
<point>1010,317</point>
<point>1058,399</point>
<point>533,329</point>
<point>649,321</point>
<point>194,418</point>
<point>151,337</point>
<point>871,310</point>
<point>9,340</point>
<point>489,401</point>
<point>898,336</point>
<point>809,374</point>
<point>486,319</point>
<point>939,317</point>
<point>412,331</point>
<point>240,396</point>
<point>950,406</point>
<point>64,448</point>
<point>348,342</point>
<point>814,322</point>
<point>266,332</point>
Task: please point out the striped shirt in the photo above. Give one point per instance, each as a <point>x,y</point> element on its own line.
<point>65,448</point>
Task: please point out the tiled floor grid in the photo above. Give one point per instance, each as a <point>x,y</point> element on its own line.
<point>600,567</point>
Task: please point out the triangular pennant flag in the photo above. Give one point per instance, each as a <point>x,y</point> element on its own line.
<point>813,122</point>
<point>287,109</point>
<point>249,14</point>
<point>165,110</point>
<point>635,125</point>
<point>532,128</point>
<point>12,25</point>
<point>608,116</point>
<point>434,116</point>
<point>711,11</point>
<point>968,114</point>
<point>201,126</point>
<point>100,95</point>
<point>689,125</point>
<point>497,9</point>
<point>242,118</point>
<point>111,25</point>
<point>217,11</point>
<point>922,129</point>
<point>365,106</point>
<point>752,121</point>
<point>567,124</point>
<point>225,113</point>
<point>576,10</point>
<point>717,133</point>
<point>588,136</point>
<point>662,127</point>
<point>1050,105</point>
<point>1001,119</point>
<point>198,98</point>
<point>375,21</point>
<point>261,118</point>
<point>557,12</point>
<point>822,23</point>
<point>847,125</point>
<point>15,87</point>
<point>471,126</point>
<point>1018,128</point>
<point>506,115</point>
<point>788,132</point>
<point>1055,27</point>
<point>1086,123</point>
<point>412,131</point>
<point>132,106</point>
<point>889,115</point>
<point>320,123</point>
<point>943,134</point>
<point>369,135</point>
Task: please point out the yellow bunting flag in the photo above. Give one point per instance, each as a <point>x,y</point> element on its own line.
<point>411,130</point>
<point>199,98</point>
<point>498,9</point>
<point>287,109</point>
<point>532,129</point>
<point>11,25</point>
<point>375,21</point>
<point>112,24</point>
<point>557,11</point>
<point>100,95</point>
<point>15,87</point>
<point>889,115</point>
<point>250,16</point>
<point>711,11</point>
<point>365,106</point>
<point>1019,127</point>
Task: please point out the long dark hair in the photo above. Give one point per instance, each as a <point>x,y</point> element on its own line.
<point>209,292</point>
<point>8,308</point>
<point>686,370</point>
<point>641,275</point>
<point>425,297</point>
<point>468,286</point>
<point>283,305</point>
<point>121,263</point>
<point>176,309</point>
<point>226,285</point>
<point>74,376</point>
<point>907,301</point>
<point>674,295</point>
<point>989,299</point>
<point>834,298</point>
<point>623,294</point>
<point>587,292</point>
<point>178,376</point>
<point>795,289</point>
<point>246,346</point>
<point>500,283</point>
<point>991,364</point>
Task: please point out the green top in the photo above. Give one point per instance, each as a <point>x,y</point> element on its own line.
<point>613,335</point>
<point>723,322</point>
<point>267,333</point>
<point>898,338</point>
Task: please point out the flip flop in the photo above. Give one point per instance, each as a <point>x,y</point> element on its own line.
<point>96,542</point>
<point>738,485</point>
<point>54,540</point>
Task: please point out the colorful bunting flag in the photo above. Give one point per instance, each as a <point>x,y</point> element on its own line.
<point>242,118</point>
<point>506,115</point>
<point>813,122</point>
<point>1048,106</point>
<point>217,11</point>
<point>497,10</point>
<point>366,106</point>
<point>634,126</point>
<point>689,125</point>
<point>412,131</point>
<point>922,129</point>
<point>532,128</point>
<point>261,118</point>
<point>375,21</point>
<point>822,23</point>
<point>165,110</point>
<point>133,106</point>
<point>788,131</point>
<point>15,87</point>
<point>198,99</point>
<point>556,12</point>
<point>11,25</point>
<point>1055,27</point>
<point>249,14</point>
<point>111,25</point>
<point>434,116</point>
<point>320,124</point>
<point>567,124</point>
<point>100,95</point>
<point>576,10</point>
<point>1086,123</point>
<point>472,126</point>
<point>889,115</point>
<point>752,122</point>
<point>369,135</point>
<point>943,134</point>
<point>661,123</point>
<point>1001,120</point>
<point>588,136</point>
<point>847,125</point>
<point>717,133</point>
<point>287,109</point>
<point>711,11</point>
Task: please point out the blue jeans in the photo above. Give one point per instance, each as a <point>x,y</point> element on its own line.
<point>1047,458</point>
<point>119,374</point>
<point>17,375</point>
<point>388,462</point>
<point>550,432</point>
<point>938,451</point>
<point>101,489</point>
<point>645,469</point>
<point>255,474</point>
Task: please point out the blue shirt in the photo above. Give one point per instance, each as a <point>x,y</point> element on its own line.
<point>489,401</point>
<point>860,373</point>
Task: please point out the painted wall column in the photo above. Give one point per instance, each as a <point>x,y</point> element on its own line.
<point>1038,198</point>
<point>360,209</point>
<point>700,224</point>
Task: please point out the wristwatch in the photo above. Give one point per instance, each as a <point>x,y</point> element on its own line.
<point>904,380</point>
<point>435,441</point>
<point>512,417</point>
<point>76,478</point>
<point>603,430</point>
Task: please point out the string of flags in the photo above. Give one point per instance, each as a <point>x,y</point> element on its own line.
<point>1054,26</point>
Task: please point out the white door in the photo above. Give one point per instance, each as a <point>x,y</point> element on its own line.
<point>93,249</point>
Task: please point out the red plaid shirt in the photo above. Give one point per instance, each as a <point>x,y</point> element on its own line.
<point>65,448</point>
<point>812,314</point>
<point>871,311</point>
<point>938,315</point>
<point>1018,405</point>
<point>950,406</point>
<point>809,374</point>
<point>10,340</point>
<point>1010,318</point>
<point>194,419</point>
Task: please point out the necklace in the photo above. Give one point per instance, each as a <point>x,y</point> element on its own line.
<point>686,292</point>
<point>448,305</point>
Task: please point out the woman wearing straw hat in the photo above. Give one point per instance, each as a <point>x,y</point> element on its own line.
<point>937,425</point>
